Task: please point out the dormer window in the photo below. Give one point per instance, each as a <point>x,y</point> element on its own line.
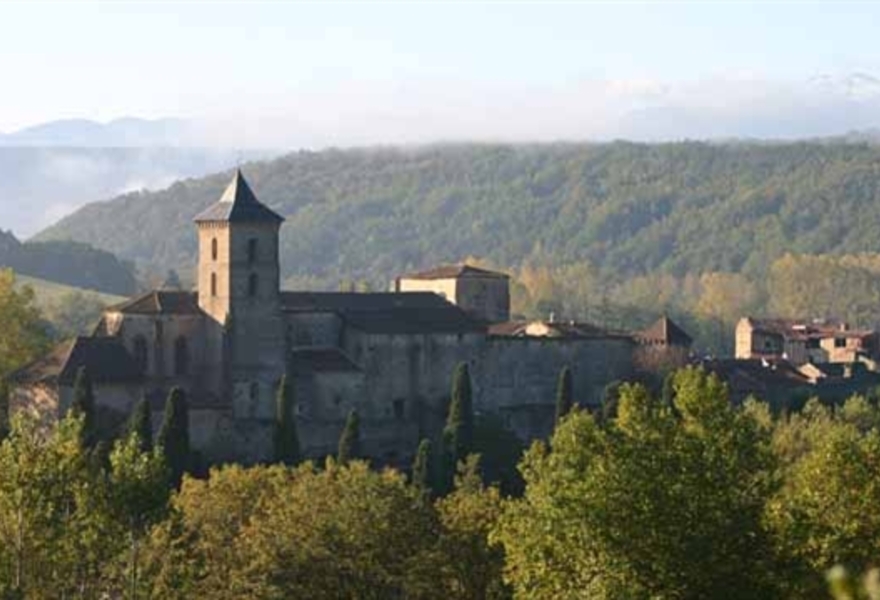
<point>252,250</point>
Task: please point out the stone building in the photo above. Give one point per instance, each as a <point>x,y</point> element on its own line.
<point>389,355</point>
<point>805,341</point>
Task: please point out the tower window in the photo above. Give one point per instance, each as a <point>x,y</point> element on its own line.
<point>214,249</point>
<point>252,250</point>
<point>213,284</point>
<point>253,285</point>
<point>181,356</point>
<point>141,358</point>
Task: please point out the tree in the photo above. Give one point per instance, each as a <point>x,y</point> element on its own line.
<point>458,434</point>
<point>173,437</point>
<point>83,406</point>
<point>472,564</point>
<point>286,440</point>
<point>349,441</point>
<point>24,331</point>
<point>824,513</point>
<point>140,423</point>
<point>421,469</point>
<point>653,504</point>
<point>139,497</point>
<point>563,394</point>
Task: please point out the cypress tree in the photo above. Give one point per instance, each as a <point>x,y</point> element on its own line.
<point>83,406</point>
<point>563,394</point>
<point>458,435</point>
<point>174,435</point>
<point>459,430</point>
<point>286,440</point>
<point>140,423</point>
<point>421,469</point>
<point>349,441</point>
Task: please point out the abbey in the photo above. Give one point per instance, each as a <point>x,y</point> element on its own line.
<point>390,355</point>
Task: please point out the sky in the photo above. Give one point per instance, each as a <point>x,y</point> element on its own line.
<point>313,74</point>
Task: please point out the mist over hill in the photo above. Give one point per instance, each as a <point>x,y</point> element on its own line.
<point>40,184</point>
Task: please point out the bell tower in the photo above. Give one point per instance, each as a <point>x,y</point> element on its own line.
<point>239,289</point>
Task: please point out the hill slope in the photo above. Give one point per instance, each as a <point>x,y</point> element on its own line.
<point>626,208</point>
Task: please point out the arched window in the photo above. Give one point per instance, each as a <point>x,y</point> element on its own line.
<point>252,250</point>
<point>213,284</point>
<point>181,356</point>
<point>253,284</point>
<point>141,357</point>
<point>214,249</point>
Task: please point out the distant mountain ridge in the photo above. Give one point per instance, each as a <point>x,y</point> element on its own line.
<point>628,209</point>
<point>126,132</point>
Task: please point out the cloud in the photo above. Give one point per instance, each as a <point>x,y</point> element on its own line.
<point>733,105</point>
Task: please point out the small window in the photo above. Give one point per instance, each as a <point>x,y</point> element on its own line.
<point>252,250</point>
<point>213,284</point>
<point>141,358</point>
<point>840,342</point>
<point>255,391</point>
<point>181,356</point>
<point>253,285</point>
<point>214,249</point>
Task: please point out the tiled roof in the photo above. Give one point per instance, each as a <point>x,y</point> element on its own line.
<point>106,360</point>
<point>321,359</point>
<point>802,329</point>
<point>238,204</point>
<point>665,331</point>
<point>386,312</point>
<point>756,373</point>
<point>456,272</point>
<point>160,302</point>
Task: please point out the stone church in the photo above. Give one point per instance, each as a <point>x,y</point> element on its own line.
<point>389,355</point>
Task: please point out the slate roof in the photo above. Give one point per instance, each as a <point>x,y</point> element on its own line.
<point>106,360</point>
<point>387,312</point>
<point>238,204</point>
<point>156,302</point>
<point>665,331</point>
<point>322,359</point>
<point>456,272</point>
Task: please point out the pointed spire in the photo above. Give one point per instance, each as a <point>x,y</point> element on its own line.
<point>239,203</point>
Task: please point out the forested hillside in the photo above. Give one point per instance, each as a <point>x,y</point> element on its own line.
<point>74,264</point>
<point>615,220</point>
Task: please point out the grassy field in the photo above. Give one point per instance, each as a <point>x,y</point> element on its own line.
<point>48,293</point>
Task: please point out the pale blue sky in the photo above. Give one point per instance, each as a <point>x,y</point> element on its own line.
<point>335,62</point>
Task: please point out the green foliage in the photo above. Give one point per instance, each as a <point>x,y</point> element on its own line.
<point>422,476</point>
<point>658,503</point>
<point>350,440</point>
<point>563,394</point>
<point>24,334</point>
<point>458,434</point>
<point>83,406</point>
<point>473,564</point>
<point>285,437</point>
<point>173,439</point>
<point>140,423</point>
<point>69,263</point>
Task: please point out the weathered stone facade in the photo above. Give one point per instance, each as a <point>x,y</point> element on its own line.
<point>390,356</point>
